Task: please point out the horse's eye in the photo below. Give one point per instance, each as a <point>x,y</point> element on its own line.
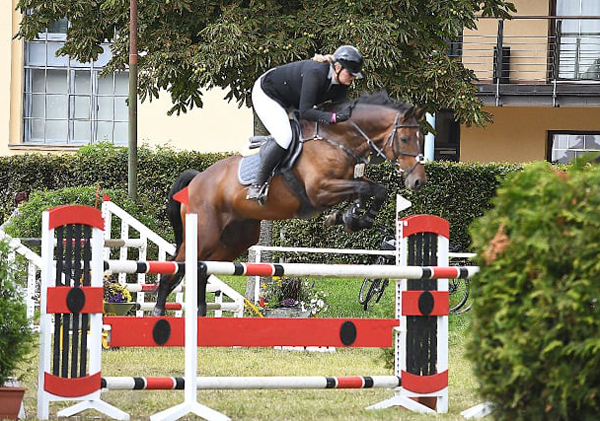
<point>404,139</point>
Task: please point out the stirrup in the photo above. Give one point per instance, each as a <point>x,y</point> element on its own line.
<point>258,193</point>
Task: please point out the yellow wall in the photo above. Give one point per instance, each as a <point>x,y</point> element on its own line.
<point>218,127</point>
<point>519,134</point>
<point>6,31</point>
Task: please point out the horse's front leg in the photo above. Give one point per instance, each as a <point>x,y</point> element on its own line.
<point>352,218</point>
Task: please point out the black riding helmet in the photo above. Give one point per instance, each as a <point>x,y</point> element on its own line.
<point>350,58</point>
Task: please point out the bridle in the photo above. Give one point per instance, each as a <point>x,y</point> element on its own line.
<point>391,140</point>
<point>379,152</point>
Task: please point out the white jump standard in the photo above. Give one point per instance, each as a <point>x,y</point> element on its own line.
<point>421,355</point>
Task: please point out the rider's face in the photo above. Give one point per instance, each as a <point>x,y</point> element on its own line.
<point>345,77</point>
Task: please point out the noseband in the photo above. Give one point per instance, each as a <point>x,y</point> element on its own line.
<point>391,141</point>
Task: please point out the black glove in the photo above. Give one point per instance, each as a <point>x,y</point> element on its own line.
<point>342,115</point>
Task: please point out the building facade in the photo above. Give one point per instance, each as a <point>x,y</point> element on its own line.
<point>55,104</point>
<point>538,75</point>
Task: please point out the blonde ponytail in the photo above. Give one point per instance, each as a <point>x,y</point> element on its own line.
<point>322,58</point>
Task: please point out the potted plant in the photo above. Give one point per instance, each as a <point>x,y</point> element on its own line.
<point>292,297</point>
<point>117,300</point>
<point>16,337</point>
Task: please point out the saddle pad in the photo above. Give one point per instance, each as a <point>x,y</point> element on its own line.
<point>247,169</point>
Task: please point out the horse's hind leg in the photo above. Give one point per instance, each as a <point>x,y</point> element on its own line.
<point>166,285</point>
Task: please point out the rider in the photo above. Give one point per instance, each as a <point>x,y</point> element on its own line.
<point>301,85</point>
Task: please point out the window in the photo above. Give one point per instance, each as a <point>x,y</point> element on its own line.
<point>579,40</point>
<point>66,102</point>
<point>565,147</point>
<point>447,139</point>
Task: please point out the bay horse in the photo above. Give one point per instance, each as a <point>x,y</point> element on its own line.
<point>327,172</point>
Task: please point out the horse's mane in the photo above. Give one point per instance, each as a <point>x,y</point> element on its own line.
<point>376,98</point>
<point>381,98</point>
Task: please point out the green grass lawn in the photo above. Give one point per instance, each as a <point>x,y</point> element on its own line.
<point>279,404</point>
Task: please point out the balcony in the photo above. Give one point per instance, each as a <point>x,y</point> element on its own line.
<point>535,60</point>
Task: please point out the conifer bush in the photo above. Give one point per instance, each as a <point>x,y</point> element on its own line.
<point>536,318</point>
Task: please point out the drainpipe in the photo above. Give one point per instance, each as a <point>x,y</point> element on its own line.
<point>429,139</point>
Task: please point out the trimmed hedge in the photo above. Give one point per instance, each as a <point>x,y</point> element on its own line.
<point>458,192</point>
<point>536,322</point>
<point>101,164</point>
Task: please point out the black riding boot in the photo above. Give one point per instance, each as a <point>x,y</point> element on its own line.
<point>270,154</point>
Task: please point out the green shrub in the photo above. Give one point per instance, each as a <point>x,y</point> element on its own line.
<point>536,323</point>
<point>16,338</point>
<point>28,223</point>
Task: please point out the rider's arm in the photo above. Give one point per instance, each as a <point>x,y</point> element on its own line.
<point>313,83</point>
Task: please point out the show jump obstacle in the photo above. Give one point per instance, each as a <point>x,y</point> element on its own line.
<point>70,363</point>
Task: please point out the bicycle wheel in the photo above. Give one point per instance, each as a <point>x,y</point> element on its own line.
<point>382,287</point>
<point>367,282</point>
<point>364,290</point>
<point>374,291</point>
<point>459,294</point>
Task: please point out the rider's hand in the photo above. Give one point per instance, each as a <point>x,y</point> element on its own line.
<point>341,116</point>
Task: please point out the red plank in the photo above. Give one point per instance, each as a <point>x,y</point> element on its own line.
<point>251,332</point>
<point>424,384</point>
<point>75,214</point>
<point>410,303</point>
<point>71,387</point>
<point>57,300</point>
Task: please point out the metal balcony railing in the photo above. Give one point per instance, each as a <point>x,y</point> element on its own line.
<point>533,50</point>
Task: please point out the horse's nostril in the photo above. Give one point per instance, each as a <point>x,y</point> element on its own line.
<point>418,183</point>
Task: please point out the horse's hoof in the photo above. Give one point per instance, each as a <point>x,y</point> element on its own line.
<point>159,311</point>
<point>332,219</point>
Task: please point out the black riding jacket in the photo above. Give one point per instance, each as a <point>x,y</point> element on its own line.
<point>304,85</point>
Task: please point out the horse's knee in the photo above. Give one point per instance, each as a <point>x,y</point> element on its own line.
<point>352,221</point>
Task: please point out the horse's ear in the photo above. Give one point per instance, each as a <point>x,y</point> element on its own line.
<point>414,112</point>
<point>419,113</point>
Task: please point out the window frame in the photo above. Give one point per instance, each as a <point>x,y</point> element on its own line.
<point>72,118</point>
<point>552,133</point>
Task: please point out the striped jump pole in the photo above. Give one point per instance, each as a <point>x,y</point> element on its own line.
<point>297,269</point>
<point>255,383</point>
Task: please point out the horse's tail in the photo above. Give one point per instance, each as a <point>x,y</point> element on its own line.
<point>174,207</point>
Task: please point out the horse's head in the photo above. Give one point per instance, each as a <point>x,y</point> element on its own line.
<point>393,133</point>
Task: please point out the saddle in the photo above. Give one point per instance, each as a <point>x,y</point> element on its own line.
<point>249,165</point>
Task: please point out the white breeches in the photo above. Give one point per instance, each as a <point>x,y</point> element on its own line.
<point>273,116</point>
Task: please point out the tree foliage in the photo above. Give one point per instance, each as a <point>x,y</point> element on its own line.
<point>189,45</point>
